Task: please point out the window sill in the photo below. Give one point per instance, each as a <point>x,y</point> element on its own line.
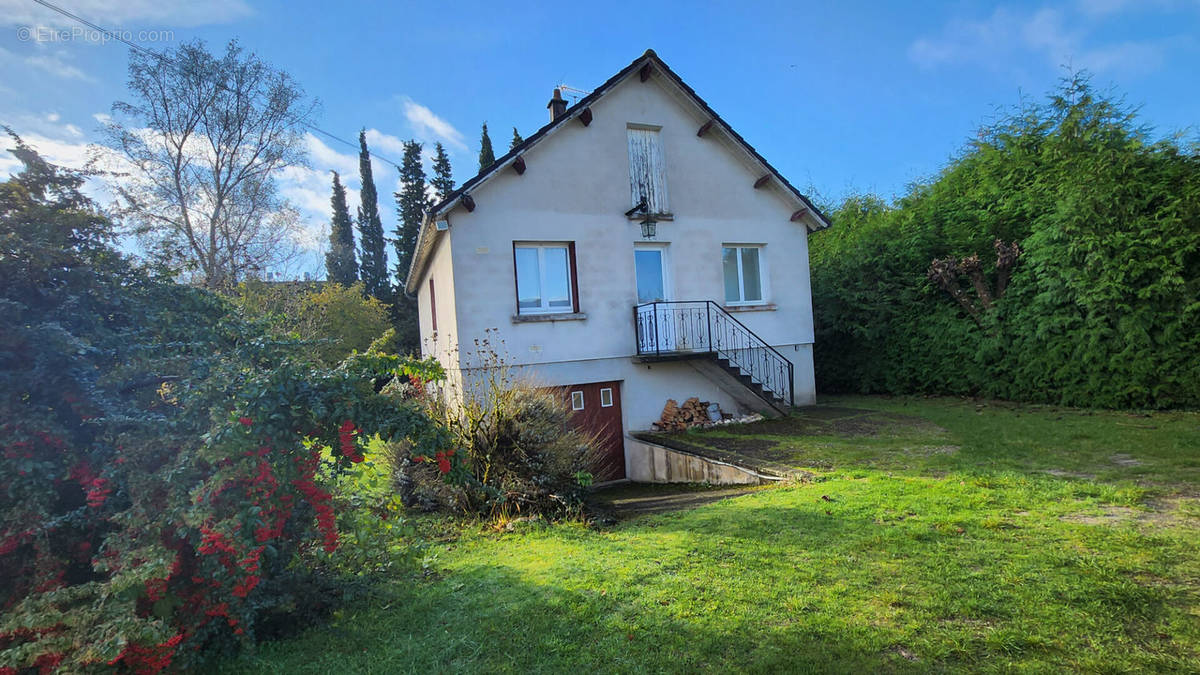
<point>765,307</point>
<point>537,318</point>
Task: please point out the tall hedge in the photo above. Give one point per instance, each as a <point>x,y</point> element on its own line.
<point>1103,307</point>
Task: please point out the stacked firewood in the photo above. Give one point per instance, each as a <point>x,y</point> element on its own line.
<point>675,417</point>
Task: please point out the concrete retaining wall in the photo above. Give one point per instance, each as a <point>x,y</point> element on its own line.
<point>649,463</point>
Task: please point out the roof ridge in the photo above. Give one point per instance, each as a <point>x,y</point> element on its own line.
<point>542,131</point>
<point>649,56</point>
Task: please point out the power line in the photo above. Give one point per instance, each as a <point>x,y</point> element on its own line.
<point>162,58</point>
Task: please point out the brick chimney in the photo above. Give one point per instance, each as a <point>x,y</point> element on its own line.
<point>557,105</point>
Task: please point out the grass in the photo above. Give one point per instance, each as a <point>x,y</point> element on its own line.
<point>937,535</point>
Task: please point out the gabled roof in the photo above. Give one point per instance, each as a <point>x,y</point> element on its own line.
<point>427,236</point>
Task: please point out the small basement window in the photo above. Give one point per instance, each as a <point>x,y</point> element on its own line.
<point>577,400</point>
<point>606,397</point>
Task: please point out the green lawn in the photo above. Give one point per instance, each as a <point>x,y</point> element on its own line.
<point>936,535</point>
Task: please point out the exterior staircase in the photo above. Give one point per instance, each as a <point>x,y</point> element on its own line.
<point>702,329</point>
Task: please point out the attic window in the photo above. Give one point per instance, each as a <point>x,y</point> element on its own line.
<point>647,169</point>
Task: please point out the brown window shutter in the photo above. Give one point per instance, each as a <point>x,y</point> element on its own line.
<point>516,290</point>
<point>432,306</point>
<point>574,277</point>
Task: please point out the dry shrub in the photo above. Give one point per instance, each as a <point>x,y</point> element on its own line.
<point>519,453</point>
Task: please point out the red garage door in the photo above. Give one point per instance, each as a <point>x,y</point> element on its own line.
<point>597,410</point>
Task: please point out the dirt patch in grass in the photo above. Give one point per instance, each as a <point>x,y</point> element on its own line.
<point>834,421</point>
<point>930,450</point>
<point>905,653</point>
<point>1174,511</point>
<point>1109,515</point>
<point>1125,460</point>
<point>1164,512</point>
<point>1060,473</point>
<point>751,446</point>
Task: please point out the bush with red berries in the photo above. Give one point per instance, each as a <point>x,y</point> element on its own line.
<point>164,464</point>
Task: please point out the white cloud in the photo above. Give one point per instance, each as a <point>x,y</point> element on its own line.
<point>1059,37</point>
<point>57,66</point>
<point>309,188</point>
<point>123,14</point>
<point>324,158</point>
<point>387,144</point>
<point>429,126</point>
<point>63,145</point>
<point>52,63</point>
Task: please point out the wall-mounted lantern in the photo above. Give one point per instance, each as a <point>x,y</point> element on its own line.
<point>648,222</point>
<point>649,227</point>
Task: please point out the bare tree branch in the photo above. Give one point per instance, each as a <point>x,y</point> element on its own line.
<point>943,272</point>
<point>973,270</point>
<point>1006,259</point>
<point>207,135</point>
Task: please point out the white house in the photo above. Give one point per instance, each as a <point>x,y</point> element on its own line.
<point>634,249</point>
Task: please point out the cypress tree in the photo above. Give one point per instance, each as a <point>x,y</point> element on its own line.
<point>443,181</point>
<point>340,266</point>
<point>373,253</point>
<point>517,140</point>
<point>411,202</point>
<point>486,156</point>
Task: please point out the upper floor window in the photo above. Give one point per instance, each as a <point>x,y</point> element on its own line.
<point>647,169</point>
<point>545,278</point>
<point>742,268</point>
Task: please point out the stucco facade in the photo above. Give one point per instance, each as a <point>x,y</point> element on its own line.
<point>575,188</point>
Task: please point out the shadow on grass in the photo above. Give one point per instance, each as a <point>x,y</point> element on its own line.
<point>493,619</point>
<point>982,558</point>
<point>888,574</point>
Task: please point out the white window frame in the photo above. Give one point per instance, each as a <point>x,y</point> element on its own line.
<point>762,275</point>
<point>544,308</point>
<point>664,250</point>
<point>577,403</point>
<point>609,391</point>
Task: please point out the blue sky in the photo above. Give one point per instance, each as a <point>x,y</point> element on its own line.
<point>840,97</point>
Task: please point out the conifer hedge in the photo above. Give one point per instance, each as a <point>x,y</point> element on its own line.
<point>1103,305</point>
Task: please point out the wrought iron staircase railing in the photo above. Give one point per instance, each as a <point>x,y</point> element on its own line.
<point>670,329</point>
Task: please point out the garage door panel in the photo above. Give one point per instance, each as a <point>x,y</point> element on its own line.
<point>596,409</point>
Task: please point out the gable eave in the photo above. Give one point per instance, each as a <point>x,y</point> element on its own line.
<point>813,218</point>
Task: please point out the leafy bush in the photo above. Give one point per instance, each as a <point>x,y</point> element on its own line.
<point>373,534</point>
<point>165,468</point>
<point>335,319</point>
<point>1102,305</point>
<point>515,451</point>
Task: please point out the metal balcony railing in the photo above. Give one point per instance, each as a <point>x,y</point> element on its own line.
<point>702,327</point>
